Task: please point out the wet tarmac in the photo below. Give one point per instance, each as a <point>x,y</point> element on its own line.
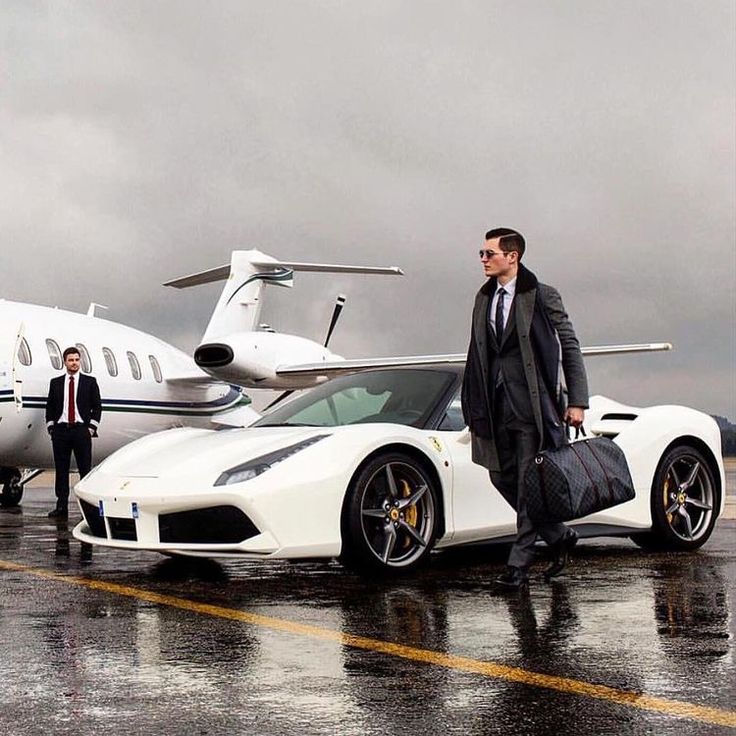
<point>628,642</point>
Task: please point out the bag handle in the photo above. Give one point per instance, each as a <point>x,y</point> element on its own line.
<point>578,431</point>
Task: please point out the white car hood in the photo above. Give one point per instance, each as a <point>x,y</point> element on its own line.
<point>180,452</point>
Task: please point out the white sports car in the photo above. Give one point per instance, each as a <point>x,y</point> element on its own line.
<point>375,468</point>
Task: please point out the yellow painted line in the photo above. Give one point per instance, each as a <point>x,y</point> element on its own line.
<point>677,708</point>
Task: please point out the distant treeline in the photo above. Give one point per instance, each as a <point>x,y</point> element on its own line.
<point>728,436</point>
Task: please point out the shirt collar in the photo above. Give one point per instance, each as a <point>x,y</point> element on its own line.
<point>509,288</point>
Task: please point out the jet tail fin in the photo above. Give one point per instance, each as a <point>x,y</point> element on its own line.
<point>239,306</point>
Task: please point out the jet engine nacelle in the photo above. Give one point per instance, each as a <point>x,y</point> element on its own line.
<point>250,359</point>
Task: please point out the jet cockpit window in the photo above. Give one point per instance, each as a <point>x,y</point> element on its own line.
<point>54,354</point>
<point>110,362</point>
<point>24,352</point>
<point>86,363</point>
<point>135,366</point>
<point>156,368</point>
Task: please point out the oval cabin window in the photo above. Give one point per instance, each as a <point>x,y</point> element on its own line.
<point>135,366</point>
<point>24,352</point>
<point>110,362</point>
<point>54,354</point>
<point>156,368</point>
<point>84,359</point>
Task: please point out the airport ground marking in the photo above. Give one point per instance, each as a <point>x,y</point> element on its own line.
<point>494,670</point>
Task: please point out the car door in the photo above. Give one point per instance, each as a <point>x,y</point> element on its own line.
<point>478,509</point>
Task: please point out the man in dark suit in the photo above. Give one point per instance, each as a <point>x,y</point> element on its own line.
<point>513,394</point>
<point>73,412</point>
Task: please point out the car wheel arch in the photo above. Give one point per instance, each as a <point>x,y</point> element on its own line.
<point>415,454</point>
<point>660,536</point>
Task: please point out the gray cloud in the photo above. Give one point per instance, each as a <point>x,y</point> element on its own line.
<point>146,140</point>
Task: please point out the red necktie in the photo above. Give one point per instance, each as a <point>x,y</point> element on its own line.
<point>72,417</point>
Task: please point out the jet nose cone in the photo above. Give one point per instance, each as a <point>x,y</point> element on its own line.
<point>213,355</point>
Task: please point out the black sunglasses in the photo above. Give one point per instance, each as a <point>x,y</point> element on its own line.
<point>484,252</point>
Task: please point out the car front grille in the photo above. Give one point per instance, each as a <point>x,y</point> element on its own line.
<point>213,525</point>
<point>94,521</point>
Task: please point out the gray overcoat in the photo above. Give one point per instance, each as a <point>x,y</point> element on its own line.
<point>549,349</point>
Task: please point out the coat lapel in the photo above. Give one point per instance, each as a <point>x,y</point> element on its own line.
<point>480,325</point>
<point>524,308</point>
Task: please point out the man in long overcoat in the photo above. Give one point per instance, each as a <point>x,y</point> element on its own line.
<point>515,403</point>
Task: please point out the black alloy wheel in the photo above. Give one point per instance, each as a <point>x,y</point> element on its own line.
<point>684,502</point>
<point>390,516</point>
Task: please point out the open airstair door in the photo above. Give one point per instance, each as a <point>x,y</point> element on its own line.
<point>20,347</point>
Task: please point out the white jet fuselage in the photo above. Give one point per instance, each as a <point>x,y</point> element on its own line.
<point>170,390</point>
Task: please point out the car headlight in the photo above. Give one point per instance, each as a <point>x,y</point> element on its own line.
<point>258,465</point>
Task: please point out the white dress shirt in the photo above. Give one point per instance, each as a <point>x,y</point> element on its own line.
<point>65,413</point>
<point>508,297</point>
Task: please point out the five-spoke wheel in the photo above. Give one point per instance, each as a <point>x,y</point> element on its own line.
<point>390,515</point>
<point>684,501</point>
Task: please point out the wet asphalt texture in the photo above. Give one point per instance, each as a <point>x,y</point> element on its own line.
<point>82,661</point>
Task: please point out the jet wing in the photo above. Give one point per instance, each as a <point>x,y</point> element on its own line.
<point>342,367</point>
<point>202,380</point>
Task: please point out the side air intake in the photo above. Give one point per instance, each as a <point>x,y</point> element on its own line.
<point>612,424</point>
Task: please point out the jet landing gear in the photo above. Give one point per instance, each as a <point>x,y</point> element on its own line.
<point>12,482</point>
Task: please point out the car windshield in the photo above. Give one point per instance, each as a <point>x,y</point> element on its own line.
<point>400,396</point>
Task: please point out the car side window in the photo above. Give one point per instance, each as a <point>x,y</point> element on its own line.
<point>54,354</point>
<point>86,362</point>
<point>453,420</point>
<point>135,366</point>
<point>110,362</point>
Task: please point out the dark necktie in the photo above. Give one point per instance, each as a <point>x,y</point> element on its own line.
<point>72,416</point>
<point>499,314</point>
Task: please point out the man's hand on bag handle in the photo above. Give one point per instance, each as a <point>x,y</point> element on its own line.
<point>574,416</point>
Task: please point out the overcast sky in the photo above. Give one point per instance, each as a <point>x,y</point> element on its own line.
<point>140,141</point>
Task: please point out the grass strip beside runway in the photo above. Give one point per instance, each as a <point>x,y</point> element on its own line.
<point>675,708</point>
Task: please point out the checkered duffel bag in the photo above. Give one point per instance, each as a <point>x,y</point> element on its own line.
<point>577,479</point>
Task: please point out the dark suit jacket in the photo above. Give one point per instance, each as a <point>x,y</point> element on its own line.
<point>547,342</point>
<point>88,400</point>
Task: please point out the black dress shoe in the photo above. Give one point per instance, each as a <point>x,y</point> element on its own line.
<point>513,578</point>
<point>560,554</point>
<point>59,513</point>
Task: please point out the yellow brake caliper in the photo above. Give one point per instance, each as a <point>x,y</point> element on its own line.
<point>411,515</point>
<point>666,492</point>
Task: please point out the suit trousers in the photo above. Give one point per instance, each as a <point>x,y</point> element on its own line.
<point>517,442</point>
<point>66,439</point>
